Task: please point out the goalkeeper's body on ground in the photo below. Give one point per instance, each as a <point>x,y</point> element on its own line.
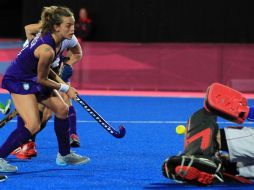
<point>212,154</point>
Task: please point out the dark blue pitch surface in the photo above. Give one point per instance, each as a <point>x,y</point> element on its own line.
<point>133,162</point>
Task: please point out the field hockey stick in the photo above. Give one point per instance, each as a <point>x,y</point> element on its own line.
<point>5,109</point>
<point>238,178</point>
<point>8,117</point>
<point>92,112</point>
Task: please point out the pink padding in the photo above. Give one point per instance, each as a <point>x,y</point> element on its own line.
<point>226,102</point>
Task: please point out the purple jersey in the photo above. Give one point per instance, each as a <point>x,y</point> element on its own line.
<point>21,75</point>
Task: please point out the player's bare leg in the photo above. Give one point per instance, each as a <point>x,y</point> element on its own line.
<point>26,106</point>
<point>61,125</point>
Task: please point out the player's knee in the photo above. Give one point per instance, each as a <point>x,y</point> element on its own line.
<point>62,111</point>
<point>33,126</point>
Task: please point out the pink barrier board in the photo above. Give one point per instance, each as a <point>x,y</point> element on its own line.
<point>158,67</point>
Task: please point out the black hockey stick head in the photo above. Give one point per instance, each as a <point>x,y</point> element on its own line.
<point>117,134</point>
<point>121,132</point>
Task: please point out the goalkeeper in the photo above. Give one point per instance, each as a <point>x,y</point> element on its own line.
<point>212,154</point>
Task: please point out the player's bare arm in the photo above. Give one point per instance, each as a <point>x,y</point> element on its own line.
<point>75,54</point>
<point>46,55</point>
<point>31,30</point>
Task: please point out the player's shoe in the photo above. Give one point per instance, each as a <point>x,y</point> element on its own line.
<point>5,167</point>
<point>3,178</point>
<point>193,169</point>
<point>74,140</point>
<point>71,159</point>
<point>193,174</point>
<point>26,151</point>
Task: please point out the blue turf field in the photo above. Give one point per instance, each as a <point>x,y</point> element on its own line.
<point>133,162</point>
